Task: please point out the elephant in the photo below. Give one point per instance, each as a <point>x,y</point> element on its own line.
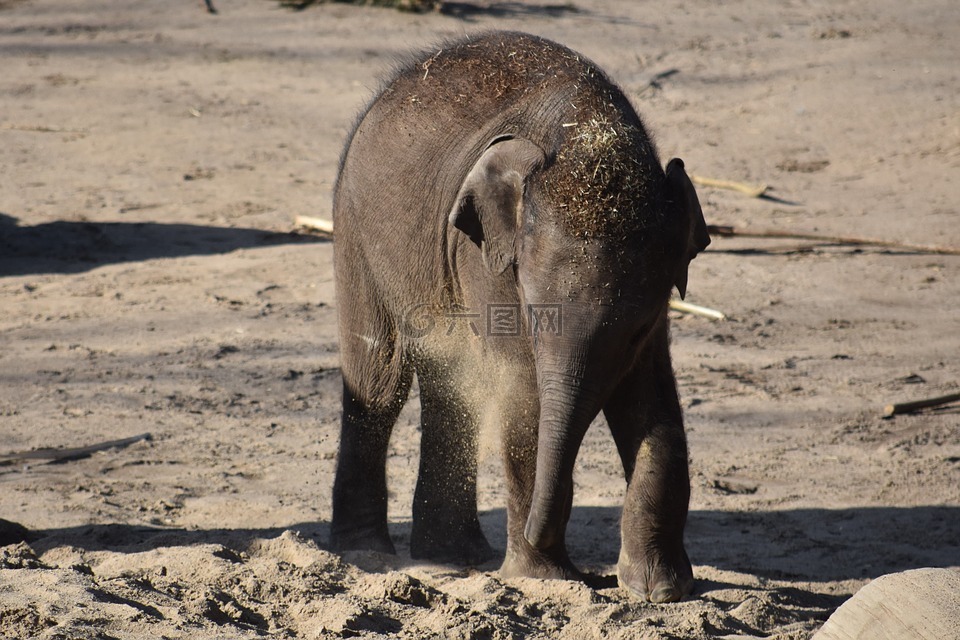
<point>506,233</point>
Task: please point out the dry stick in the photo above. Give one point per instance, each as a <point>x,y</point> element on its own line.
<point>706,312</point>
<point>733,232</point>
<point>750,190</point>
<point>40,128</point>
<point>61,455</point>
<point>916,405</point>
<point>314,224</point>
<point>756,192</point>
<point>326,226</point>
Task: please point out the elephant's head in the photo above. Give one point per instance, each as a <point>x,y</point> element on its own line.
<point>492,210</point>
<point>602,230</point>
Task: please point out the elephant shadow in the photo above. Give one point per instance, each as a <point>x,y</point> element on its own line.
<point>788,545</point>
<point>74,247</point>
<point>814,545</point>
<point>796,544</point>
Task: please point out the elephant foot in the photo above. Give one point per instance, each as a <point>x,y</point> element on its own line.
<point>656,577</point>
<point>523,561</point>
<point>361,539</point>
<point>450,545</point>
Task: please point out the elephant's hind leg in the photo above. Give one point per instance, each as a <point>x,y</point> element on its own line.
<point>376,381</point>
<point>445,523</point>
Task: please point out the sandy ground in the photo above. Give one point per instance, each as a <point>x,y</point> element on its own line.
<point>152,159</point>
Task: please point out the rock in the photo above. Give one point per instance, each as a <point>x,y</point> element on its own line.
<point>921,604</point>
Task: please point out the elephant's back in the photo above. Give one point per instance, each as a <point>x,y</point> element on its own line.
<point>413,146</point>
<point>422,132</point>
<point>416,141</point>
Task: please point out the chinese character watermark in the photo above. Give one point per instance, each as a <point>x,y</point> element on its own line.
<point>501,320</point>
<point>545,318</point>
<point>504,320</point>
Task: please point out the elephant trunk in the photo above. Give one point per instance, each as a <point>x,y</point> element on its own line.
<point>570,399</point>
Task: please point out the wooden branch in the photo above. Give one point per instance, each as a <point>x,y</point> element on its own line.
<point>750,190</point>
<point>322,225</point>
<point>916,405</point>
<point>314,224</point>
<point>686,307</point>
<point>725,231</point>
<point>62,455</point>
<point>40,128</point>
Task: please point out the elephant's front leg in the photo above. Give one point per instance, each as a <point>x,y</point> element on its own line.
<point>645,419</point>
<point>445,523</point>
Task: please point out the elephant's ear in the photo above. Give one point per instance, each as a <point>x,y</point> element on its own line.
<point>683,200</point>
<point>488,205</point>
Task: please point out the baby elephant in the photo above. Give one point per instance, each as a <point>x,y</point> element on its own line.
<point>505,231</point>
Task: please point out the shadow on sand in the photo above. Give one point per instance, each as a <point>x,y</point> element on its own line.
<point>792,545</point>
<point>461,10</point>
<point>75,247</point>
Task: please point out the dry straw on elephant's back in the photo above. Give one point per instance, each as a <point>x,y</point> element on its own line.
<point>601,176</point>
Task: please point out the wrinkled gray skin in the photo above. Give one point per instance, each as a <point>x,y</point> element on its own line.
<point>506,169</point>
